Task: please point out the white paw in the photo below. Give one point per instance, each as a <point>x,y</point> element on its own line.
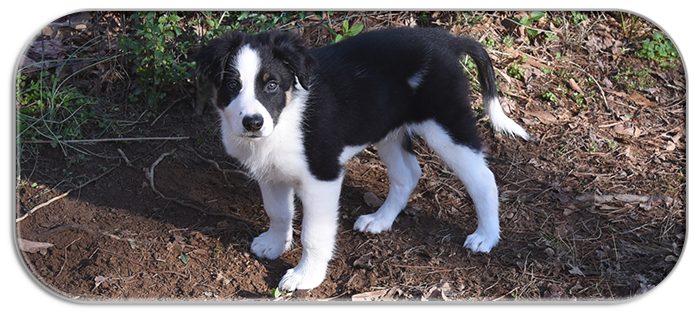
<point>480,242</point>
<point>373,223</point>
<point>270,245</point>
<point>300,279</point>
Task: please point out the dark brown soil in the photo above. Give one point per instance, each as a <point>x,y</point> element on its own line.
<point>592,208</point>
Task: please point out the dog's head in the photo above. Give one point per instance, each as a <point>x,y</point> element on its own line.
<point>254,77</point>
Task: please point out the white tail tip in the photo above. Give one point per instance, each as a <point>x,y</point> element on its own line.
<point>501,122</point>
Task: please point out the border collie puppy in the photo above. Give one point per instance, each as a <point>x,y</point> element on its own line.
<point>294,116</point>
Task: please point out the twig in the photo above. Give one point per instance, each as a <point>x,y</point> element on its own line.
<point>63,195</point>
<point>107,140</point>
<point>128,163</point>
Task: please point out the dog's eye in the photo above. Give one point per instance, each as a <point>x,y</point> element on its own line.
<point>233,85</point>
<point>272,86</point>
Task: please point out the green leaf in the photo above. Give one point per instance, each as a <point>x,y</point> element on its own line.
<point>276,293</point>
<point>330,29</point>
<point>525,21</point>
<point>537,15</point>
<point>356,29</point>
<point>183,257</point>
<point>658,35</point>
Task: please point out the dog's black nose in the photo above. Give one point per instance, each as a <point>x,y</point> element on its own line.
<point>253,123</point>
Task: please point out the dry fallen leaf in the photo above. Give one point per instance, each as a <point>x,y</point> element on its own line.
<point>369,296</point>
<point>575,86</point>
<point>544,116</point>
<point>372,199</point>
<point>630,131</point>
<point>642,101</point>
<point>440,292</point>
<point>99,280</point>
<point>577,271</point>
<point>33,247</point>
<point>363,262</point>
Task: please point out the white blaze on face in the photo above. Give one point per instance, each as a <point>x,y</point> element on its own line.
<point>247,62</point>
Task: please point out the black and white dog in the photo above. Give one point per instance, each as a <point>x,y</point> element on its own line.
<point>294,116</point>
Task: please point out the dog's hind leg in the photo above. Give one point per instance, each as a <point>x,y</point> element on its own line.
<point>278,200</point>
<point>404,171</point>
<point>470,166</point>
<point>319,225</point>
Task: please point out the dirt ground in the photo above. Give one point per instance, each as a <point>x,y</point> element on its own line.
<point>593,207</point>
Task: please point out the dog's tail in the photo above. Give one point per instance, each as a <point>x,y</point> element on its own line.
<point>499,120</point>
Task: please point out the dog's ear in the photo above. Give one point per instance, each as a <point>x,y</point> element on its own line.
<point>212,57</point>
<point>291,49</point>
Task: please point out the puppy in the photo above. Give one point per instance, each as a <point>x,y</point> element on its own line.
<point>293,116</point>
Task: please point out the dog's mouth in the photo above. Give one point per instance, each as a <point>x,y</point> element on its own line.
<point>254,135</point>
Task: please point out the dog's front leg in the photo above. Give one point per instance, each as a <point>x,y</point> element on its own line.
<point>278,200</point>
<point>319,225</point>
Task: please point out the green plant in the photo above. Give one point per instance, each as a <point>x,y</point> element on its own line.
<point>262,22</point>
<point>658,48</point>
<point>634,79</point>
<point>528,19</point>
<point>578,98</point>
<point>550,36</point>
<point>515,70</point>
<point>347,31</point>
<point>592,147</point>
<point>470,67</point>
<point>474,18</point>
<point>52,110</point>
<point>489,42</point>
<point>548,95</point>
<point>158,59</point>
<point>214,24</point>
<point>508,41</point>
<point>578,17</point>
<point>276,293</point>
